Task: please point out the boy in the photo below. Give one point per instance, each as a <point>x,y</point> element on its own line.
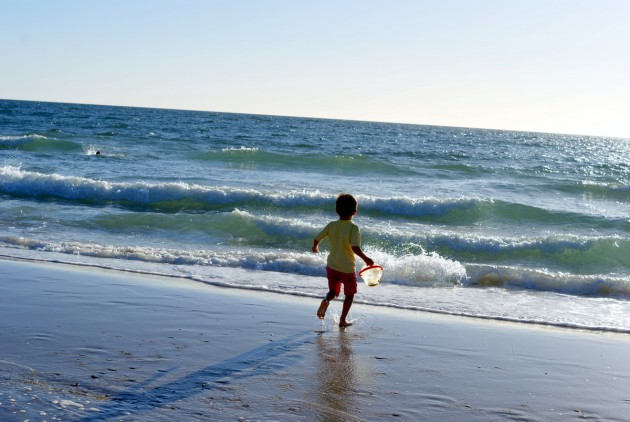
<point>345,241</point>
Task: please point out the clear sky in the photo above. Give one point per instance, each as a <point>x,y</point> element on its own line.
<point>542,65</point>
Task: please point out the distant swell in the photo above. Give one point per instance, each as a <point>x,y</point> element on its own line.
<point>184,196</point>
<point>37,143</point>
<point>254,158</point>
<point>615,191</point>
<point>179,196</point>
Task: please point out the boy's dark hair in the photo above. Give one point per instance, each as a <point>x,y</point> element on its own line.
<point>346,205</point>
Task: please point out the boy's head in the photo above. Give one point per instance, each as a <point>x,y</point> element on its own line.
<point>346,205</point>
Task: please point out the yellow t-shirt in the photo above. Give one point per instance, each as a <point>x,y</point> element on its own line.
<point>342,235</point>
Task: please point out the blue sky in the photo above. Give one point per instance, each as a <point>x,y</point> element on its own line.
<point>540,65</point>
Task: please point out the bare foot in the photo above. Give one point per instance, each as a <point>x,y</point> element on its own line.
<point>343,324</point>
<point>321,312</point>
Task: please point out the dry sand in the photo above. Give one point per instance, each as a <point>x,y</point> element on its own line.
<point>89,345</point>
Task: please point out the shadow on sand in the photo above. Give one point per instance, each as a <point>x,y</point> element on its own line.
<point>259,361</point>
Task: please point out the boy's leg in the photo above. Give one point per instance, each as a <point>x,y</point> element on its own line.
<point>321,312</point>
<point>347,303</point>
<point>349,290</point>
<point>334,287</point>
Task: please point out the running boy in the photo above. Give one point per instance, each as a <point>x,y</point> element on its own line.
<point>345,241</point>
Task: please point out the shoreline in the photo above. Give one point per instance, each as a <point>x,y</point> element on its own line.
<point>86,343</point>
<point>224,277</point>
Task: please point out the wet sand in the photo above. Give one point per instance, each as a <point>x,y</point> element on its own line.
<point>90,344</point>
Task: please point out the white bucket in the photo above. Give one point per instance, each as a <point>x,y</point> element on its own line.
<point>371,275</point>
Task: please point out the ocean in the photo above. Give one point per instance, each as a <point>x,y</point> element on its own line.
<point>501,225</point>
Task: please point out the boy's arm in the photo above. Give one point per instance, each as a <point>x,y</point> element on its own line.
<point>357,250</point>
<point>320,236</point>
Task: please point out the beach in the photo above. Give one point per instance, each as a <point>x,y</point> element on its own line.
<point>81,343</point>
<point>500,225</point>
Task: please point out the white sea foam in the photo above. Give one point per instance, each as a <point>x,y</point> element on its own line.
<point>94,150</point>
<point>420,270</point>
<point>17,140</point>
<point>90,150</point>
<point>543,280</point>
<point>241,149</point>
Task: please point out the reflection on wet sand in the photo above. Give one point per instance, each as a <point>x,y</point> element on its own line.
<point>337,377</point>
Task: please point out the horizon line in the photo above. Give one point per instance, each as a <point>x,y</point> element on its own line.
<point>623,138</point>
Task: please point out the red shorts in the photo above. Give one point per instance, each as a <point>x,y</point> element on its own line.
<point>337,278</point>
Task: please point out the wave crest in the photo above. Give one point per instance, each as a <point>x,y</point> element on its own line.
<point>37,143</point>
